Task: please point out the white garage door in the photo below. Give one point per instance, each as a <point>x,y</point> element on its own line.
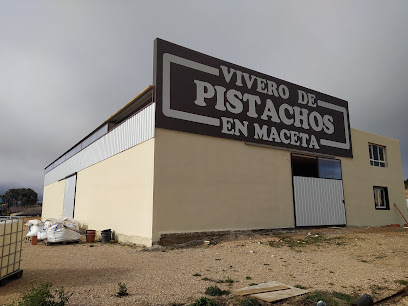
<point>69,196</point>
<point>318,201</point>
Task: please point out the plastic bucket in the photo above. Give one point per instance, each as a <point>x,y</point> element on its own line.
<point>90,236</point>
<point>106,235</point>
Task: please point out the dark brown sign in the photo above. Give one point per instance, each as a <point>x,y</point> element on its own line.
<point>200,94</point>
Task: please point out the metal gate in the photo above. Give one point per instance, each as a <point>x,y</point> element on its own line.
<point>69,196</point>
<point>318,201</point>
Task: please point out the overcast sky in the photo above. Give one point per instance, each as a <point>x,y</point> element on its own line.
<point>66,66</point>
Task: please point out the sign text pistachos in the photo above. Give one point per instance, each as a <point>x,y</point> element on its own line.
<point>200,94</point>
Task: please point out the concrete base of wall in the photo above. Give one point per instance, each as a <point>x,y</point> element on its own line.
<point>134,240</point>
<point>181,238</point>
<point>120,238</point>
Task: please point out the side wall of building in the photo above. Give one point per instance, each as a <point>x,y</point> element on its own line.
<point>117,193</point>
<point>359,178</point>
<point>205,183</point>
<point>53,200</point>
<point>114,183</point>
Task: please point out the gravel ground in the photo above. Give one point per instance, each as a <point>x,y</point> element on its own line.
<point>348,260</point>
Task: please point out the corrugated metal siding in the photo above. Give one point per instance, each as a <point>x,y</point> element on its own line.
<point>86,142</point>
<point>130,133</point>
<point>91,138</point>
<point>318,201</point>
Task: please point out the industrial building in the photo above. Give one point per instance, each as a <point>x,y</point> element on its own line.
<point>213,146</point>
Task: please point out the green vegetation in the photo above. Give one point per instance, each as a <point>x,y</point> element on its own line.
<point>330,298</point>
<point>24,196</point>
<point>228,280</point>
<point>204,301</point>
<point>380,257</point>
<point>196,274</point>
<point>252,284</point>
<point>216,291</point>
<point>248,277</point>
<point>401,282</point>
<point>43,296</point>
<point>376,289</point>
<point>345,297</point>
<point>220,281</point>
<point>317,239</point>
<point>122,291</point>
<point>250,302</point>
<point>300,287</point>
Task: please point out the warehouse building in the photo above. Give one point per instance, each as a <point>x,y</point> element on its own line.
<point>213,146</point>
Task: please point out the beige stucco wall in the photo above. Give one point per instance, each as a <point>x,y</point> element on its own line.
<point>203,183</point>
<point>181,182</point>
<point>359,177</point>
<point>53,200</point>
<point>118,194</point>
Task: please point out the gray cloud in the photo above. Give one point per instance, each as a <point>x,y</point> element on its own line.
<point>67,66</point>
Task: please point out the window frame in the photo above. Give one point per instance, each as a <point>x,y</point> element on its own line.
<point>317,158</point>
<point>381,163</point>
<point>384,194</point>
<point>319,170</point>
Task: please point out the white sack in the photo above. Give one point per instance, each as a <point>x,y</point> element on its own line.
<point>47,224</point>
<point>63,231</point>
<point>65,220</point>
<point>34,227</point>
<point>42,234</point>
<point>33,222</point>
<point>33,231</point>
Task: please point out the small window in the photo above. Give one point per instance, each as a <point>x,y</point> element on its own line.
<point>310,166</point>
<point>377,155</point>
<point>381,198</point>
<point>329,168</point>
<point>304,166</point>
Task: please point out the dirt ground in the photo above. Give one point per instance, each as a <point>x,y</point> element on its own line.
<point>346,260</point>
<point>25,211</point>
